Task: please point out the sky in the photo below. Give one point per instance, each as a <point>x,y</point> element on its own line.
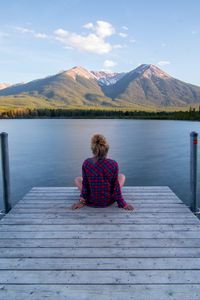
<point>42,38</point>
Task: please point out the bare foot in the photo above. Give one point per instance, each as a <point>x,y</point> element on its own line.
<point>77,205</point>
<point>128,207</point>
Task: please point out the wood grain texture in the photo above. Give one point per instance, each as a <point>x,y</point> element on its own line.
<point>49,251</point>
<point>101,292</point>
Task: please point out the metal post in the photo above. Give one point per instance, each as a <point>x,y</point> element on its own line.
<point>5,171</point>
<point>193,170</point>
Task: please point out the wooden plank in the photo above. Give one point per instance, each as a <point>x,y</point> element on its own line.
<point>65,199</point>
<point>68,203</point>
<point>140,200</point>
<point>124,190</point>
<point>127,197</point>
<point>99,221</point>
<point>28,203</point>
<point>101,292</point>
<point>100,263</point>
<point>57,206</point>
<point>100,277</point>
<point>155,249</point>
<point>71,201</point>
<point>100,252</point>
<point>79,214</point>
<point>124,187</point>
<point>126,193</point>
<point>89,215</point>
<point>61,201</point>
<point>103,227</point>
<point>100,243</point>
<point>177,210</point>
<point>99,234</point>
<point>142,187</point>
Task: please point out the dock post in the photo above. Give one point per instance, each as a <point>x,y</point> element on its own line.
<point>193,170</point>
<point>5,171</point>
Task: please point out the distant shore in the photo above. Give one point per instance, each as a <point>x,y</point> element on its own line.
<point>191,114</point>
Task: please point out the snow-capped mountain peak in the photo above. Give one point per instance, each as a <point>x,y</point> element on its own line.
<point>107,78</point>
<point>79,71</point>
<point>154,70</point>
<point>4,85</point>
<point>149,70</point>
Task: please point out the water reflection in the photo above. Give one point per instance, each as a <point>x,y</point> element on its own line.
<point>50,152</point>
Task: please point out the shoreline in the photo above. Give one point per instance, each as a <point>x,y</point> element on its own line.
<point>190,115</point>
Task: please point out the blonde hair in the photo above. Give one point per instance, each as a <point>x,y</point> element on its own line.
<point>99,146</point>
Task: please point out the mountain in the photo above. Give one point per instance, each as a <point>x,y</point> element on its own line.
<point>107,78</point>
<point>76,86</point>
<point>4,85</point>
<point>147,85</point>
<point>80,72</point>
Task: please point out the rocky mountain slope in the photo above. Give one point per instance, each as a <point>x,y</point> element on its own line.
<point>148,84</point>
<point>145,85</point>
<point>4,85</point>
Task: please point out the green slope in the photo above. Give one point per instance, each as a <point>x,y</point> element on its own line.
<point>146,87</point>
<point>61,87</point>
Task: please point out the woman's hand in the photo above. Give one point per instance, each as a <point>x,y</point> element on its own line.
<point>128,207</point>
<point>77,205</point>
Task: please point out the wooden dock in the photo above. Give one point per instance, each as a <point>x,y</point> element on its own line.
<point>48,251</point>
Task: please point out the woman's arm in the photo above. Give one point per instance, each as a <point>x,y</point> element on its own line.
<point>116,190</point>
<point>84,192</point>
<point>85,185</point>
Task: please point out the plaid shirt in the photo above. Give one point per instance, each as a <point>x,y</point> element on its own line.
<point>100,186</point>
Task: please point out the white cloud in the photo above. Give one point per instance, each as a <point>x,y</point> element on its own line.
<point>68,47</point>
<point>24,30</point>
<point>163,45</point>
<point>104,29</point>
<point>40,35</point>
<point>132,41</point>
<point>163,63</point>
<point>37,35</point>
<point>123,34</point>
<point>89,43</point>
<point>88,26</point>
<point>109,63</point>
<point>93,42</point>
<point>124,27</point>
<point>117,46</point>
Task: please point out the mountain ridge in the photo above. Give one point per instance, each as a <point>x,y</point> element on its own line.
<point>4,85</point>
<point>145,85</point>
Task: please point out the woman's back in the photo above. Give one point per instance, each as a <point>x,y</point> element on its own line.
<point>100,182</point>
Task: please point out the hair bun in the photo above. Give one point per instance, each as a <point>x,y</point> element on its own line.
<point>99,139</point>
<point>99,146</point>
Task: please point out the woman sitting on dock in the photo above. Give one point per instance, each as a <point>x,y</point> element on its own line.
<point>100,184</point>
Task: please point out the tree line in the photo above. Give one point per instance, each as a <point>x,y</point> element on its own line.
<point>21,113</point>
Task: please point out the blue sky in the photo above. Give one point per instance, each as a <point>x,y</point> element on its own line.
<point>40,38</point>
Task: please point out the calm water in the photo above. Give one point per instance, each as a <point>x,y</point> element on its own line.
<point>50,152</point>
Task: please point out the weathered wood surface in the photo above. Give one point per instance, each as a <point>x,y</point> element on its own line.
<point>48,251</point>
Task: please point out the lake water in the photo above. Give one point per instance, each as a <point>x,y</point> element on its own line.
<point>50,152</point>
